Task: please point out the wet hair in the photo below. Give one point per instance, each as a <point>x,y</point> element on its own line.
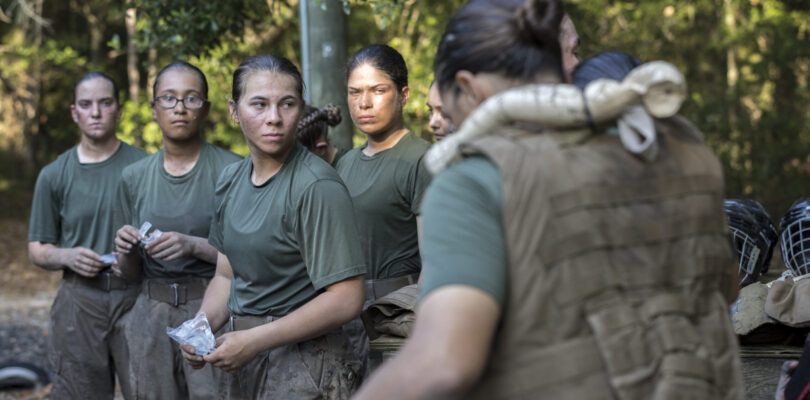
<point>384,58</point>
<point>93,75</point>
<point>265,62</point>
<point>315,123</point>
<point>517,39</point>
<point>183,65</point>
<point>610,65</point>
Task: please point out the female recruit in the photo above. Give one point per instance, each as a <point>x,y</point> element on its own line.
<point>289,266</point>
<point>563,264</point>
<point>173,190</point>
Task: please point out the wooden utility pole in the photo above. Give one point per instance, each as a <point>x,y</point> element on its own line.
<point>323,22</point>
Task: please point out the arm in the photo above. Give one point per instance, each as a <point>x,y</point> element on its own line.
<point>80,260</point>
<point>340,303</point>
<point>214,305</point>
<point>173,245</point>
<point>128,261</point>
<point>447,351</point>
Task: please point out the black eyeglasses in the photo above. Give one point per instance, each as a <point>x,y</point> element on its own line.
<point>190,102</point>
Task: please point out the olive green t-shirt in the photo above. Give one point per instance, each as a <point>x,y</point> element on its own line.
<point>387,190</point>
<point>73,202</point>
<point>183,204</point>
<point>463,240</point>
<point>286,239</point>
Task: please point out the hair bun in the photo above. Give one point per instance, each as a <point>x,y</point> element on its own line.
<point>538,21</point>
<point>333,116</point>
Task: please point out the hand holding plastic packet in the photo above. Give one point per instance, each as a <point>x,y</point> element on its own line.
<point>196,333</point>
<point>107,259</point>
<point>146,239</point>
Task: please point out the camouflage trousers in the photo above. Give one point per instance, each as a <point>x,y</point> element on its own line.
<point>320,368</point>
<point>158,369</point>
<point>86,348</point>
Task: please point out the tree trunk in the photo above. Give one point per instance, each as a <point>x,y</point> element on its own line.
<point>327,56</point>
<point>133,75</point>
<point>31,97</point>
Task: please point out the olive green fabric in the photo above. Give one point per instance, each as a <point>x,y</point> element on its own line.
<point>340,153</point>
<point>286,239</point>
<point>387,190</point>
<point>73,202</point>
<point>462,210</point>
<point>183,204</point>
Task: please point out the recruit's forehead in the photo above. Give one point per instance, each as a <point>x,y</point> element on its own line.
<point>434,98</point>
<point>94,89</point>
<point>180,81</point>
<point>269,84</point>
<point>368,75</point>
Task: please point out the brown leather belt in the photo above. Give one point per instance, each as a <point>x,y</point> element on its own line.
<point>245,322</point>
<point>175,291</point>
<point>376,288</point>
<point>105,280</point>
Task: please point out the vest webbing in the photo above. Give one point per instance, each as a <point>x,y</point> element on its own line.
<point>618,270</point>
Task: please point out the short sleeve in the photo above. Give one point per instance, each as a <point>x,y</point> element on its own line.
<point>419,183</point>
<point>328,234</point>
<point>463,237</point>
<point>215,235</point>
<point>45,224</point>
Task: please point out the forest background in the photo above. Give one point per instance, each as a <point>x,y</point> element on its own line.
<point>746,62</point>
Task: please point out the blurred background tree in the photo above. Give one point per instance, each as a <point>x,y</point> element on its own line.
<point>746,61</point>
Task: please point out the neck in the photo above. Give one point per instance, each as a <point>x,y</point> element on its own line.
<point>266,166</point>
<point>97,150</point>
<point>378,143</point>
<point>179,157</point>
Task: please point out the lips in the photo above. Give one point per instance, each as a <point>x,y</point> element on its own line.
<point>180,122</point>
<point>364,119</point>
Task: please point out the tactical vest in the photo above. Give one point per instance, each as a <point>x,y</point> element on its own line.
<point>619,270</point>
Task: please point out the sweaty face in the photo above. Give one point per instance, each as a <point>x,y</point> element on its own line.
<point>179,122</point>
<point>569,44</point>
<point>268,112</point>
<point>438,123</point>
<point>96,111</point>
<point>374,101</point>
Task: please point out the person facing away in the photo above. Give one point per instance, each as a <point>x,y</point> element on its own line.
<point>385,176</point>
<point>439,125</point>
<point>71,227</point>
<point>558,264</point>
<point>313,132</point>
<point>173,190</point>
<point>289,263</point>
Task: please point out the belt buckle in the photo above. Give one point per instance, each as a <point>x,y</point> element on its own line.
<point>230,321</point>
<point>175,288</point>
<point>108,281</point>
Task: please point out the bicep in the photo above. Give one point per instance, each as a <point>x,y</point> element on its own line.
<point>223,266</point>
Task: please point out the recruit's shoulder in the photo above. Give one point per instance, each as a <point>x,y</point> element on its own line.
<point>475,176</point>
<point>230,172</point>
<point>54,170</point>
<point>222,157</point>
<point>130,154</point>
<point>311,168</point>
<point>137,168</point>
<point>411,147</point>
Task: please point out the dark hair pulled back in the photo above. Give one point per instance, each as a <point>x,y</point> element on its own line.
<point>182,65</point>
<point>93,75</point>
<point>514,38</point>
<point>384,58</point>
<point>265,62</point>
<point>316,122</point>
<point>609,65</point>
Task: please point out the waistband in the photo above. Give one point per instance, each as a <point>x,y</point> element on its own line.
<point>105,280</point>
<point>245,322</point>
<point>376,288</point>
<point>175,291</point>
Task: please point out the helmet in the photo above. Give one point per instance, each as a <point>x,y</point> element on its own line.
<point>795,235</point>
<point>768,232</point>
<point>751,235</point>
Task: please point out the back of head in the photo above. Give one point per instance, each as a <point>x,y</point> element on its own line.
<point>384,58</point>
<point>608,65</point>
<point>516,39</point>
<point>315,123</point>
<point>795,237</point>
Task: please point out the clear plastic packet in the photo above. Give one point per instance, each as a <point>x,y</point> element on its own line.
<point>196,333</point>
<point>147,238</point>
<point>107,259</point>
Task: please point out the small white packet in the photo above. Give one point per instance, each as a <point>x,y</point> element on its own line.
<point>148,238</point>
<point>196,333</point>
<point>107,259</point>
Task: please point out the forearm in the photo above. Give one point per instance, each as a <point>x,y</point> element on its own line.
<point>215,302</point>
<point>201,250</point>
<point>48,256</point>
<point>324,313</point>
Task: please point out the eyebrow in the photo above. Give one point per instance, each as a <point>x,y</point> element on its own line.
<point>372,86</point>
<point>99,99</point>
<point>172,92</point>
